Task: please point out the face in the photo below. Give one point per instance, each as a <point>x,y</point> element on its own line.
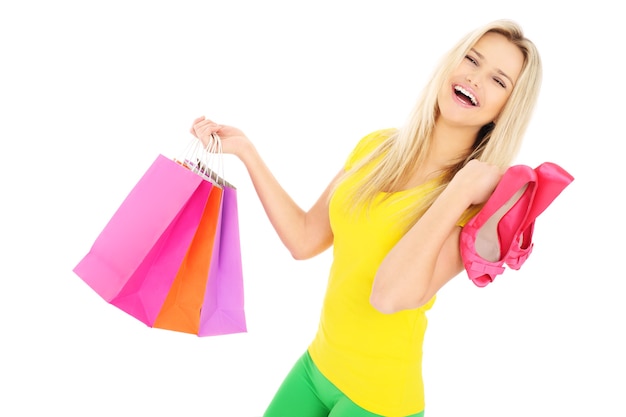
<point>479,87</point>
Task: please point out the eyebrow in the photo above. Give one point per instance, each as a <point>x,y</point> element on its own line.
<point>497,69</point>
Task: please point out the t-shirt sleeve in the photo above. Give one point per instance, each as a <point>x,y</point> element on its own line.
<point>366,145</point>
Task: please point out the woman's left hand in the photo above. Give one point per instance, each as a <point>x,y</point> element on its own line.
<point>477,180</point>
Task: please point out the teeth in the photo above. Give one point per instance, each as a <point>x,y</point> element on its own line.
<point>466,93</point>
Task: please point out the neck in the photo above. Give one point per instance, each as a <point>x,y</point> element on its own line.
<point>450,142</point>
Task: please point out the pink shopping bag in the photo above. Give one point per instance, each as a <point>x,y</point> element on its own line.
<point>223,309</point>
<point>135,258</point>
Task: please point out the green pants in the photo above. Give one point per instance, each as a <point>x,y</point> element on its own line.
<point>305,392</point>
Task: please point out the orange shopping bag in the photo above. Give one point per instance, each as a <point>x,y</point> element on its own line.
<point>182,306</point>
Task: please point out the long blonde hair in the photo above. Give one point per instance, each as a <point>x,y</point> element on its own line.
<point>496,144</point>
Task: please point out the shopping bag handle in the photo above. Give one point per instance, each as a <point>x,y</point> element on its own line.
<point>206,161</point>
<point>196,158</point>
<point>214,169</point>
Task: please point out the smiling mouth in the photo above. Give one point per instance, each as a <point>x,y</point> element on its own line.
<point>465,95</point>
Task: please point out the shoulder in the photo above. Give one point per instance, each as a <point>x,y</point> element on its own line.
<point>367,144</point>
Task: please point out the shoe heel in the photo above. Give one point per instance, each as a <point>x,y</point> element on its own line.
<point>551,181</point>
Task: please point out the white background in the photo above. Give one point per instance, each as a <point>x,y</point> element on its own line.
<point>92,92</point>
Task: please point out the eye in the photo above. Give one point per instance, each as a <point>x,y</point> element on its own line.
<point>471,59</point>
<point>500,82</point>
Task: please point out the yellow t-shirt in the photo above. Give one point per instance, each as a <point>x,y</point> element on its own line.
<point>375,359</point>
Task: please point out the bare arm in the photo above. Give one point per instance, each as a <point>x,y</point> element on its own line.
<point>428,255</point>
<point>304,233</point>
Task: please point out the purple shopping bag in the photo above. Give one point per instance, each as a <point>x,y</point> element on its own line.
<point>223,308</point>
<point>134,260</point>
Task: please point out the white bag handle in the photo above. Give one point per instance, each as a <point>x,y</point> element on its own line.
<point>208,161</point>
<point>215,168</point>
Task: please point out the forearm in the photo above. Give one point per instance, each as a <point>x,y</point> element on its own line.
<point>424,259</point>
<point>287,218</point>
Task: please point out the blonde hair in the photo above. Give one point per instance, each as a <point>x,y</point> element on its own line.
<point>496,144</point>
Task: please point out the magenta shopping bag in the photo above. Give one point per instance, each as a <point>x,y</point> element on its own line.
<point>135,258</point>
<point>223,308</point>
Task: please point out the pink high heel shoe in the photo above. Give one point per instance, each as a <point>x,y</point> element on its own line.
<point>551,181</point>
<point>487,237</point>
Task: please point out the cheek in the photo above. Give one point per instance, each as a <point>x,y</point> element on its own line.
<point>442,97</point>
<point>499,102</point>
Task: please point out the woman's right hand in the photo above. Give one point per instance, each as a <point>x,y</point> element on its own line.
<point>233,140</point>
<point>304,234</point>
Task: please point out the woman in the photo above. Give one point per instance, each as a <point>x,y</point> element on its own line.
<point>393,215</point>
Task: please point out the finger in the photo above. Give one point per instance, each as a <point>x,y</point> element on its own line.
<point>192,130</point>
<point>197,120</point>
<point>207,126</point>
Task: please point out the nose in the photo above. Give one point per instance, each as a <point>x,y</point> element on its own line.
<point>473,78</point>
